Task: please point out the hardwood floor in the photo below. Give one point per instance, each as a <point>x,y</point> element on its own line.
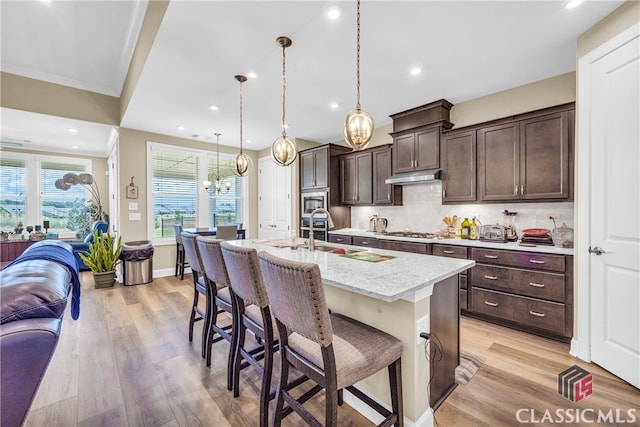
<point>127,362</point>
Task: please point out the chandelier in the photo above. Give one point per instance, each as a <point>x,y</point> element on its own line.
<point>219,184</point>
<point>358,126</point>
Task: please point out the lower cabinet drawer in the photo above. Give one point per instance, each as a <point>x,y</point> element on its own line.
<point>449,251</point>
<point>535,284</point>
<point>364,241</point>
<point>463,299</point>
<point>537,261</point>
<point>340,238</point>
<point>394,245</point>
<point>527,311</point>
<point>463,281</point>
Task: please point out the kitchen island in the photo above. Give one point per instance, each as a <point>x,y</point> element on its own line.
<point>403,296</point>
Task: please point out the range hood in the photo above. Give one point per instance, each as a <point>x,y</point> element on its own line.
<point>409,178</point>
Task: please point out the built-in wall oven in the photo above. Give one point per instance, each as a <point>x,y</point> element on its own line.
<point>320,228</point>
<point>312,201</point>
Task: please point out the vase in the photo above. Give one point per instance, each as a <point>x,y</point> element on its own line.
<point>104,280</point>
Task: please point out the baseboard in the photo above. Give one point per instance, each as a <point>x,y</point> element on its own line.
<point>425,420</point>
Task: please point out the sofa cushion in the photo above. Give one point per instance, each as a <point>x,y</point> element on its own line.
<point>33,289</point>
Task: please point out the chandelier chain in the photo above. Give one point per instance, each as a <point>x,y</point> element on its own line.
<point>284,89</point>
<point>240,117</point>
<point>358,56</point>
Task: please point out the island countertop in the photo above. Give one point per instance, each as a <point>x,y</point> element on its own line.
<point>406,276</point>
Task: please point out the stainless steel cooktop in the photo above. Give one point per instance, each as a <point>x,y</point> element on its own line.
<point>414,234</point>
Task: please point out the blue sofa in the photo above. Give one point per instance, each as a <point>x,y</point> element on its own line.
<point>83,245</point>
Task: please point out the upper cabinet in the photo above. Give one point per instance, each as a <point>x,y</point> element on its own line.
<point>527,159</point>
<point>416,136</point>
<point>416,150</point>
<point>317,165</point>
<point>458,161</point>
<point>383,193</point>
<point>356,171</point>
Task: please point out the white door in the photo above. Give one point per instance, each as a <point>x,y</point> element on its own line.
<point>274,200</point>
<point>614,236</point>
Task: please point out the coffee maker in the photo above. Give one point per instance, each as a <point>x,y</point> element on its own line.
<point>510,221</point>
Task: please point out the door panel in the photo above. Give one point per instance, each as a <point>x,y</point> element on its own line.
<point>499,162</point>
<point>364,172</point>
<point>403,153</point>
<point>348,171</point>
<point>428,149</point>
<point>613,136</point>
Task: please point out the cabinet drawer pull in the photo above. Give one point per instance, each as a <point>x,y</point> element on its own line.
<point>536,285</point>
<point>491,277</point>
<point>535,313</point>
<point>491,304</point>
<point>365,242</point>
<point>339,240</point>
<point>491,256</point>
<point>448,252</point>
<point>536,261</point>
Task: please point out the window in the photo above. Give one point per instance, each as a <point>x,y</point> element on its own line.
<point>12,193</point>
<point>28,195</point>
<point>178,196</point>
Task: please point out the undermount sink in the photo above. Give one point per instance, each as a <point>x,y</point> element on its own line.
<point>322,248</point>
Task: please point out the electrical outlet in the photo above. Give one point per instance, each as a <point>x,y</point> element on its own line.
<point>422,325</point>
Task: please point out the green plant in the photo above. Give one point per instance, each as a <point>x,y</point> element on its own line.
<point>103,254</point>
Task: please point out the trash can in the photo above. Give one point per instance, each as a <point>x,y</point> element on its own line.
<point>137,265</point>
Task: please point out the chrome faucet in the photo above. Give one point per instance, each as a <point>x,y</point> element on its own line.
<point>312,246</point>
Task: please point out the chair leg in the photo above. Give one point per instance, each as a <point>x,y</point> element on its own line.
<point>182,256</point>
<point>266,384</point>
<point>206,327</point>
<point>283,380</point>
<point>192,317</point>
<point>395,383</point>
<point>238,342</point>
<point>340,397</point>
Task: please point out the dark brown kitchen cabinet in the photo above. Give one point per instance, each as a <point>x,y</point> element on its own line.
<point>454,251</point>
<point>458,160</point>
<point>416,150</point>
<point>314,168</point>
<point>396,245</point>
<point>523,290</point>
<point>365,241</point>
<point>527,159</point>
<point>340,238</point>
<point>357,186</point>
<point>383,193</point>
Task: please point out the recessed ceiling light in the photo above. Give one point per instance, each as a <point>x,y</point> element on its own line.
<point>286,126</point>
<point>73,130</point>
<point>415,71</point>
<point>334,12</point>
<point>214,107</point>
<point>252,75</point>
<point>75,147</point>
<point>248,141</point>
<point>334,105</point>
<point>573,3</point>
<point>180,127</point>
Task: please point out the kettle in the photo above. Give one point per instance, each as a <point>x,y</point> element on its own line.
<point>381,225</point>
<point>372,222</point>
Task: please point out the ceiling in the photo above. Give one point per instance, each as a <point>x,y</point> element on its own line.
<point>465,49</point>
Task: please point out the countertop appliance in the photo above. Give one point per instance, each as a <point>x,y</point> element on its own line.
<point>381,225</point>
<point>493,233</point>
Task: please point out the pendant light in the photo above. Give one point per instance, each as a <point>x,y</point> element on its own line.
<point>283,150</point>
<point>219,185</point>
<point>358,126</point>
<point>243,162</point>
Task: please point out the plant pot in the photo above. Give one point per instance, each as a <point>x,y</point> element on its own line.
<point>104,280</point>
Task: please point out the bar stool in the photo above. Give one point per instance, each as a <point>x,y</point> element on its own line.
<point>180,258</point>
<point>252,312</point>
<point>333,350</point>
<point>215,271</point>
<point>227,232</point>
<point>200,286</point>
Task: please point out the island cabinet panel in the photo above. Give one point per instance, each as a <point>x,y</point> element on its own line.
<point>452,251</point>
<point>395,245</point>
<point>365,241</point>
<point>340,238</point>
<point>525,290</point>
<point>458,160</point>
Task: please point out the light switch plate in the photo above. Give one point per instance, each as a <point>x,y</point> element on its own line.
<point>133,206</point>
<point>135,216</point>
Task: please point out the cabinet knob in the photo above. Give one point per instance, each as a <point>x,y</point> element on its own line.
<point>515,189</point>
<point>522,190</point>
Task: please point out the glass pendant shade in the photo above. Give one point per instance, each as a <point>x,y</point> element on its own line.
<point>206,184</point>
<point>358,129</point>
<point>284,150</point>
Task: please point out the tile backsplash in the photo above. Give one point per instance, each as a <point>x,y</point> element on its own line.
<point>422,210</point>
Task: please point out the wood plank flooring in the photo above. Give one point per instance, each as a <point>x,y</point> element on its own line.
<point>127,362</point>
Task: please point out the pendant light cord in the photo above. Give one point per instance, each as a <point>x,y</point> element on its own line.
<point>284,89</point>
<point>240,117</point>
<point>217,157</point>
<point>358,56</point>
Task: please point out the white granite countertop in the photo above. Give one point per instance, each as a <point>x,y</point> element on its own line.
<point>514,246</point>
<point>407,276</point>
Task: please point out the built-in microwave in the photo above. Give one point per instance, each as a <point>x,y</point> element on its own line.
<point>312,201</point>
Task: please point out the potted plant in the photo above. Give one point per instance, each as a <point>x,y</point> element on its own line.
<point>102,258</point>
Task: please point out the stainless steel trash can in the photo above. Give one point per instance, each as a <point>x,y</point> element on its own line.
<point>137,262</point>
